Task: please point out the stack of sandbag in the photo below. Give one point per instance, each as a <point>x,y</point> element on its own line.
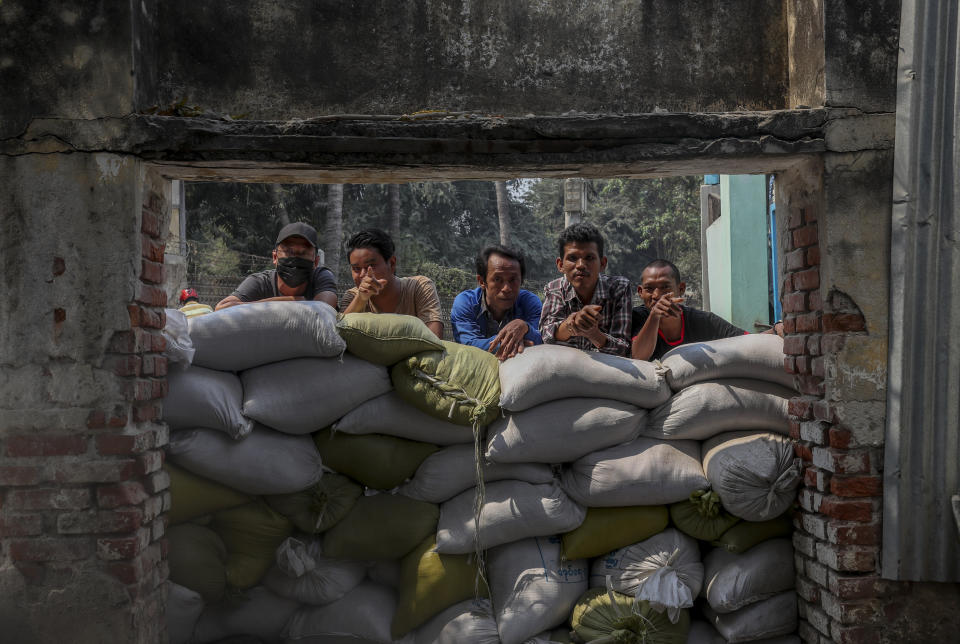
<point>392,487</point>
<point>284,458</point>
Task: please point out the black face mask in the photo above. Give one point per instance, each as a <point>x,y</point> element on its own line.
<point>294,271</point>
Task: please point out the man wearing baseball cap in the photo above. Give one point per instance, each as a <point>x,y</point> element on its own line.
<point>297,276</point>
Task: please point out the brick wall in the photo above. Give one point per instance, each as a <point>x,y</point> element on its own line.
<point>838,528</point>
<point>81,511</point>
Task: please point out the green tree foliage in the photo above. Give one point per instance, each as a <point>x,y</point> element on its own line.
<point>445,224</point>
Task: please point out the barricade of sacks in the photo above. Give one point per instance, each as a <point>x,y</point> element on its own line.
<point>358,480</point>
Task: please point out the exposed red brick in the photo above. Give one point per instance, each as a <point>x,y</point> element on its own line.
<point>851,533</point>
<point>803,364</point>
<point>119,548</point>
<point>796,259</point>
<point>789,325</point>
<point>121,494</point>
<point>786,285</point>
<point>843,323</point>
<point>807,280</point>
<point>814,300</point>
<point>803,452</point>
<point>96,471</point>
<point>795,430</point>
<point>120,520</point>
<point>124,365</point>
<point>841,461</point>
<point>848,558</point>
<point>124,444</point>
<point>813,345</point>
<point>810,385</point>
<point>150,461</point>
<point>801,408</point>
<point>805,236</point>
<point>856,634</point>
<point>790,364</point>
<point>857,486</point>
<point>154,365</point>
<point>146,317</point>
<point>149,224</point>
<point>46,445</point>
<point>11,475</point>
<point>808,590</point>
<point>840,438</point>
<point>847,509</point>
<point>151,249</point>
<point>795,345</point>
<point>21,525</point>
<point>816,478</point>
<point>48,498</point>
<point>127,572</point>
<point>151,295</point>
<point>817,367</point>
<point>823,411</point>
<point>795,302</point>
<point>51,549</point>
<point>146,412</point>
<point>151,272</point>
<point>123,342</point>
<point>813,256</point>
<point>852,586</point>
<point>833,343</point>
<point>808,323</point>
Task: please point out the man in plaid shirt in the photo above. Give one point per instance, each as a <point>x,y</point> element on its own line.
<point>585,308</point>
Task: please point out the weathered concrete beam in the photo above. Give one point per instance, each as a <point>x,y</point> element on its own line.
<point>457,145</point>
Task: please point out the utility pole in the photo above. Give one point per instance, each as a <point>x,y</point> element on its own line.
<point>574,201</point>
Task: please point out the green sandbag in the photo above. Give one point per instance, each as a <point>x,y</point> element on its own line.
<point>381,526</point>
<point>320,507</point>
<point>431,582</point>
<point>702,517</point>
<point>386,338</point>
<point>193,496</point>
<point>377,461</point>
<point>599,620</point>
<point>197,559</point>
<point>607,529</point>
<point>747,534</point>
<point>252,534</point>
<point>460,384</point>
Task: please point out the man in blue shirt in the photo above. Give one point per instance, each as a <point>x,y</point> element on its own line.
<point>498,316</point>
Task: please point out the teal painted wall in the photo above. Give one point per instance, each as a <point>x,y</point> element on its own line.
<point>737,252</point>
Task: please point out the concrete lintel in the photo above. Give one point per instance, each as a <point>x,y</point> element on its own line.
<point>466,144</point>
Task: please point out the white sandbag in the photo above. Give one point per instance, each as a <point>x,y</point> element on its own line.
<point>734,580</point>
<point>450,471</point>
<point>703,410</point>
<point>183,610</point>
<point>304,395</point>
<point>552,372</point>
<point>391,415</point>
<point>468,622</point>
<point>664,570</point>
<point>758,356</point>
<point>532,589</point>
<point>755,474</point>
<point>645,471</point>
<point>176,331</point>
<point>304,574</point>
<point>560,431</point>
<point>769,618</point>
<point>247,335</point>
<point>512,510</point>
<point>257,612</point>
<point>198,397</point>
<point>363,615</point>
<point>265,462</point>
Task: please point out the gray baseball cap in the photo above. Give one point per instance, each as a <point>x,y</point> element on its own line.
<point>298,229</point>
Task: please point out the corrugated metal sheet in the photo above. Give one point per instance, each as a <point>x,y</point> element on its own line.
<point>922,458</point>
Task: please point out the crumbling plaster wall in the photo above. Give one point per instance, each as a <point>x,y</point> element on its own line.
<point>272,60</point>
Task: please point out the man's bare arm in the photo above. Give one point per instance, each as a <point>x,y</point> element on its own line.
<point>437,328</point>
<point>227,302</point>
<point>325,296</point>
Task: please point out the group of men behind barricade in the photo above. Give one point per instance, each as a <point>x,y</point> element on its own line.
<point>584,308</point>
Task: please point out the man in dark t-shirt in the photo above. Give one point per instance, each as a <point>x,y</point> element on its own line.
<point>297,276</point>
<point>663,323</point>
